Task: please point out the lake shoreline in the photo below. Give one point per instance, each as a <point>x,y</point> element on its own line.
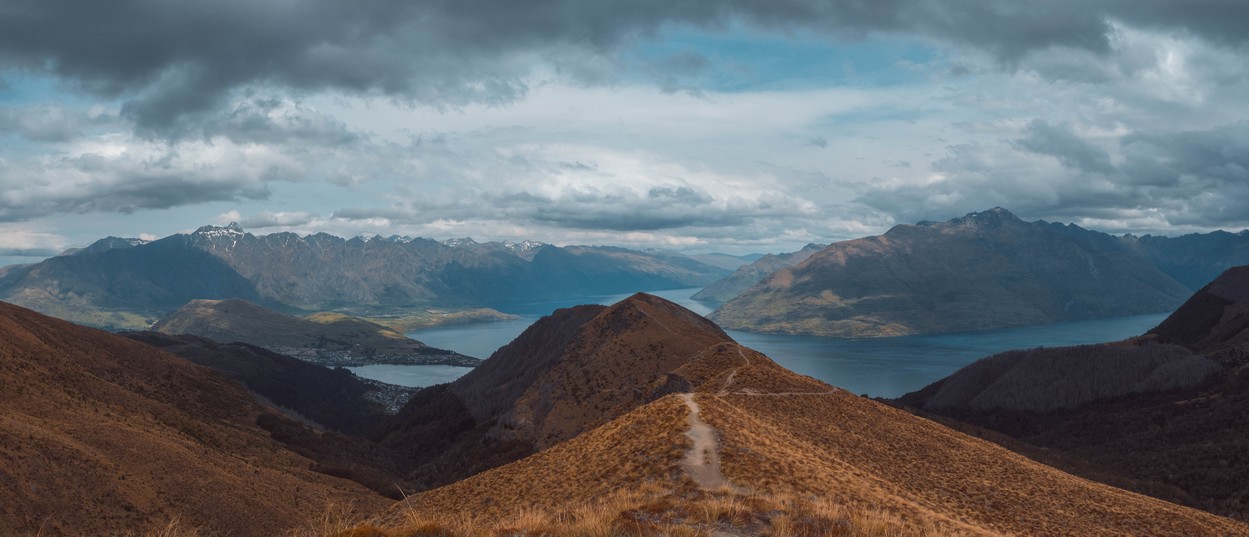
<point>878,367</point>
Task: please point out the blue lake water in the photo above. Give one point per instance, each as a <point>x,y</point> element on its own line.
<point>418,376</point>
<point>879,367</point>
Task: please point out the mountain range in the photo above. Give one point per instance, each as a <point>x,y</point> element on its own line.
<point>1195,259</point>
<point>984,270</point>
<point>1163,413</point>
<point>746,276</point>
<point>124,283</point>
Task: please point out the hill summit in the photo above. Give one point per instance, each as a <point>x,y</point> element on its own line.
<point>569,372</point>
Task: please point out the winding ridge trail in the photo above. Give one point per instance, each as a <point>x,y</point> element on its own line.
<point>702,461</point>
<point>728,381</point>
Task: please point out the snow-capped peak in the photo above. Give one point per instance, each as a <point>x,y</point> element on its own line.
<point>522,246</point>
<point>218,231</point>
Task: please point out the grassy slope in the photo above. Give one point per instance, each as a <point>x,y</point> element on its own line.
<point>100,434</point>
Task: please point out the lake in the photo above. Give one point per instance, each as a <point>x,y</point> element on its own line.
<point>879,367</point>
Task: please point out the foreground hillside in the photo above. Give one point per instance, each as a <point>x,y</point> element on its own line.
<point>984,270</point>
<point>1164,413</point>
<point>129,284</point>
<point>652,421</point>
<point>100,435</point>
<point>329,339</point>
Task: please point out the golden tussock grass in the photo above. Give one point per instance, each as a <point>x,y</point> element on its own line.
<point>866,456</point>
<point>659,512</point>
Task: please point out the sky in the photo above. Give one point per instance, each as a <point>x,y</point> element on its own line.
<point>694,125</point>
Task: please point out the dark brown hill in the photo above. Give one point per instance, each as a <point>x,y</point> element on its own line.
<point>571,371</point>
<point>1181,440</point>
<point>741,446</point>
<point>100,435</point>
<point>1215,319</point>
<point>333,399</point>
<point>984,270</point>
<point>1064,378</point>
<point>330,339</point>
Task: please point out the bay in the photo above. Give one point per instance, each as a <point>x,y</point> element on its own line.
<point>413,376</point>
<point>878,367</point>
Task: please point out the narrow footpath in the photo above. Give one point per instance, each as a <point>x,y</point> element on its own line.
<point>702,461</point>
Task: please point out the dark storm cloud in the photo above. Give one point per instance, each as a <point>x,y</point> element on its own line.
<point>170,60</point>
<point>1043,138</point>
<point>92,182</point>
<point>1208,159</point>
<point>1197,178</point>
<point>658,208</point>
<point>133,194</point>
<point>278,121</point>
<point>1217,21</point>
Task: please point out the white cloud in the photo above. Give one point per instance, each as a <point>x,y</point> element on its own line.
<point>20,240</point>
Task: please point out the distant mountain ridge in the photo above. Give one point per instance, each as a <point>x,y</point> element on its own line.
<point>128,284</point>
<point>745,277</point>
<point>984,270</point>
<point>1195,259</point>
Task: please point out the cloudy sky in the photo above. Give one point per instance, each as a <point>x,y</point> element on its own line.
<point>701,125</point>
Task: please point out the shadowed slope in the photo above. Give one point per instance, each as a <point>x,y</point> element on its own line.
<point>100,434</point>
<point>1216,318</point>
<point>332,398</point>
<point>1163,414</point>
